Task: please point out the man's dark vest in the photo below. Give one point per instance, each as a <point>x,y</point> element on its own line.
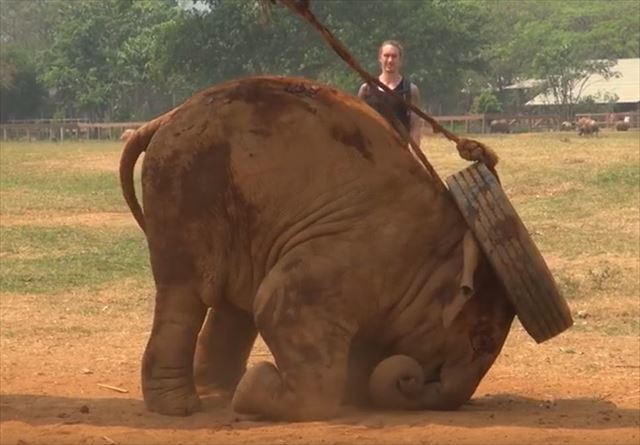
<point>384,104</point>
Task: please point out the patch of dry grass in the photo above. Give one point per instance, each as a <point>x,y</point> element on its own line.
<point>580,199</point>
<point>68,242</point>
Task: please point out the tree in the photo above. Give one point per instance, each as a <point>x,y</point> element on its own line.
<point>132,59</point>
<point>24,27</point>
<point>558,43</point>
<point>227,41</point>
<point>22,94</point>
<point>567,52</point>
<point>486,102</point>
<point>102,56</point>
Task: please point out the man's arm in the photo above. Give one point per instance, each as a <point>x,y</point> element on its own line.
<point>415,121</point>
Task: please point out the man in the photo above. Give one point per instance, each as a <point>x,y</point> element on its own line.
<point>390,58</point>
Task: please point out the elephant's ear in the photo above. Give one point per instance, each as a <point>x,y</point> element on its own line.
<point>453,308</point>
<point>470,259</point>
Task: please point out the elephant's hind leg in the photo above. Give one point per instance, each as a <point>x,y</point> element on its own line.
<point>223,347</point>
<point>167,364</point>
<point>300,313</point>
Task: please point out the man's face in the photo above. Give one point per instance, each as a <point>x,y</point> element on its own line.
<point>390,59</point>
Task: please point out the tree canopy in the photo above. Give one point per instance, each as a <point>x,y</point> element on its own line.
<point>132,59</point>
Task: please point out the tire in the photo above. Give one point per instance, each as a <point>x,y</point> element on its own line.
<point>516,260</point>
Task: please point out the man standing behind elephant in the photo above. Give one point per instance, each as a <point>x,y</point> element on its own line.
<point>390,56</point>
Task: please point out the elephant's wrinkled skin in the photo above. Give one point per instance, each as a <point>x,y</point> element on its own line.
<point>295,211</point>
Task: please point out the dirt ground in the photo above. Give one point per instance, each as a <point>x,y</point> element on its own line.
<point>580,387</point>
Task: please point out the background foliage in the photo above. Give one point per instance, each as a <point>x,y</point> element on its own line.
<point>132,59</point>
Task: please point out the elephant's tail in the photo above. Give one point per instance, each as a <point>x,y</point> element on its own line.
<point>396,383</point>
<point>135,145</point>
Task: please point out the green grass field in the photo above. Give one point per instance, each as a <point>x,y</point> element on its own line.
<point>65,229</point>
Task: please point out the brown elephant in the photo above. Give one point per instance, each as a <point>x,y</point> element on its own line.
<point>500,126</point>
<point>623,126</point>
<point>587,126</point>
<point>295,211</point>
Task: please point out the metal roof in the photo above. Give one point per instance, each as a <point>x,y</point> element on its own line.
<point>626,86</point>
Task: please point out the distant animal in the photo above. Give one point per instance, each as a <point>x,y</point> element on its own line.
<point>622,126</point>
<point>499,126</point>
<point>567,126</point>
<point>587,126</point>
<point>126,134</point>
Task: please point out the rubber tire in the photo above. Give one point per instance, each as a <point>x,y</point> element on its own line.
<point>505,241</point>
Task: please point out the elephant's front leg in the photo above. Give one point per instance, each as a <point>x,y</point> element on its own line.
<point>223,347</point>
<point>301,313</point>
<point>167,366</point>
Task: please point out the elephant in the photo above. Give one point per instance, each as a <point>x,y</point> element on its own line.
<point>499,126</point>
<point>622,126</point>
<point>567,126</point>
<point>286,208</point>
<point>587,126</point>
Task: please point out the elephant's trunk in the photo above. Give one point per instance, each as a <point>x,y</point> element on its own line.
<point>397,383</point>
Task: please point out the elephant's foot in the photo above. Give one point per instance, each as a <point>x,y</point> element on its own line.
<point>300,315</point>
<point>167,366</point>
<point>170,397</point>
<point>259,391</point>
<point>263,392</point>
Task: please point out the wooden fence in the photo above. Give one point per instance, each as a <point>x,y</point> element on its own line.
<point>609,120</point>
<point>61,130</point>
<point>469,123</point>
<point>481,123</point>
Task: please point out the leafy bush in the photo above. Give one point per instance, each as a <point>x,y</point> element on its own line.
<point>486,102</point>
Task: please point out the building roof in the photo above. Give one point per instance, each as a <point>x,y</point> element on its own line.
<point>626,86</point>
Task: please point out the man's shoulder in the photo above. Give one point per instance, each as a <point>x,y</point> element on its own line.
<point>409,82</point>
<point>363,88</point>
<point>413,88</point>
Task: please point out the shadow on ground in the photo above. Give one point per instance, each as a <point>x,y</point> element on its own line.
<point>489,410</point>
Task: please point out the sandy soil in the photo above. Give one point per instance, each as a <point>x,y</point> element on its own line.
<point>97,219</point>
<point>581,387</point>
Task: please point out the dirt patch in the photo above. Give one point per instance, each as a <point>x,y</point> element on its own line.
<point>96,162</point>
<point>581,387</point>
<point>100,219</point>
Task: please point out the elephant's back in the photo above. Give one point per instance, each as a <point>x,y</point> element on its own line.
<point>269,125</point>
<point>277,143</point>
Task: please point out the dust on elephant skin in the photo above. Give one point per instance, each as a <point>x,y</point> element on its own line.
<point>290,209</point>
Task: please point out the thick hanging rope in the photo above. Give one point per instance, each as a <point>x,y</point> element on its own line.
<point>467,148</point>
